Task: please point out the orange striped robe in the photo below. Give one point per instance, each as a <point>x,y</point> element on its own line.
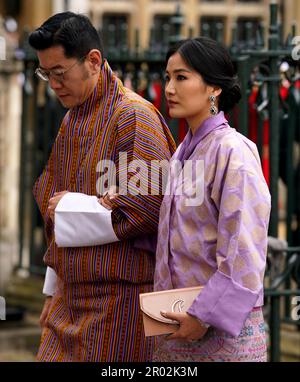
<point>94,314</point>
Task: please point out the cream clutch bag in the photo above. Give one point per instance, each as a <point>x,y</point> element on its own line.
<point>173,300</point>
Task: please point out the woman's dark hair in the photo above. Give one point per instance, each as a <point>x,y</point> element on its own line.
<point>213,62</point>
<point>74,32</point>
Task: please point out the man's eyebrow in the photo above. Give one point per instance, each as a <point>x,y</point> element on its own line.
<point>54,67</point>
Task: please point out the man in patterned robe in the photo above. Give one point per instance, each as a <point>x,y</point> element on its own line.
<point>98,261</point>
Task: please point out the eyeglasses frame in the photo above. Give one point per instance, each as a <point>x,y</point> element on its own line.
<point>46,75</point>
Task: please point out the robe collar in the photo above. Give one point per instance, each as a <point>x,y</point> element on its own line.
<point>106,79</point>
<point>105,93</point>
<point>191,141</point>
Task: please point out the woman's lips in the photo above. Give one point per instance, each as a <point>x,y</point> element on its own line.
<point>172,103</point>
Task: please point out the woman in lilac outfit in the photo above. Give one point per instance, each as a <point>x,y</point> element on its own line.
<point>214,216</point>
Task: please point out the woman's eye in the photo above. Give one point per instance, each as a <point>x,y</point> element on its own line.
<point>167,78</point>
<point>180,77</point>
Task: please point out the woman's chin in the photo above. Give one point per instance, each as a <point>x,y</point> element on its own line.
<point>173,114</point>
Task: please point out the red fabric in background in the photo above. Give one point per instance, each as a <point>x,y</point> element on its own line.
<point>253,126</point>
<point>253,132</point>
<point>157,92</point>
<point>182,130</point>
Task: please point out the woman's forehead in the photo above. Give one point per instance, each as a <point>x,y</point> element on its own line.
<point>176,62</point>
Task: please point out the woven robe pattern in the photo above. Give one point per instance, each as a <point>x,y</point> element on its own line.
<point>94,314</point>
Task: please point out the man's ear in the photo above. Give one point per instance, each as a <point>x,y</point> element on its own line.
<point>94,59</point>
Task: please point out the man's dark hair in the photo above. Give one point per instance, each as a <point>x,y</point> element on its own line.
<point>74,32</point>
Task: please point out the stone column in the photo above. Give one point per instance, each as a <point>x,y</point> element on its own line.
<point>34,13</point>
<point>10,126</point>
<point>141,21</point>
<point>291,15</point>
<point>77,6</point>
<point>192,18</point>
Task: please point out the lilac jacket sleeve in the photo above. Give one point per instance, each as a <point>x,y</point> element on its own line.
<point>243,202</point>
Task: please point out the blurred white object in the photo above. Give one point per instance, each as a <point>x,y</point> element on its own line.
<point>11,25</point>
<point>284,67</point>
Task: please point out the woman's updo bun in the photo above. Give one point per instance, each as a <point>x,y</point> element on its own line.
<point>230,96</point>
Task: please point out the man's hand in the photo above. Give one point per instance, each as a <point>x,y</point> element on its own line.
<point>190,328</point>
<point>45,311</point>
<point>53,202</point>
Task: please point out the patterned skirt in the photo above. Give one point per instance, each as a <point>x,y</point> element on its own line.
<point>96,323</point>
<point>217,346</point>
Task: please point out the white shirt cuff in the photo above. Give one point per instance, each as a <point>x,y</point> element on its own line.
<point>81,221</point>
<point>50,282</point>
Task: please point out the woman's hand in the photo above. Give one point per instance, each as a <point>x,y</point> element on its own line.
<point>53,202</point>
<point>190,328</point>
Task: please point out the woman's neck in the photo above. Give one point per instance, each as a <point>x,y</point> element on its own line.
<point>196,124</point>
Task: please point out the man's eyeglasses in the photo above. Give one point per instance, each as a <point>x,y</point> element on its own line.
<point>56,74</point>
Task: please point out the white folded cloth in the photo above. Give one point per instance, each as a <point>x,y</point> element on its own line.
<point>80,221</point>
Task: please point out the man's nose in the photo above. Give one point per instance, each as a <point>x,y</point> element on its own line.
<point>54,84</point>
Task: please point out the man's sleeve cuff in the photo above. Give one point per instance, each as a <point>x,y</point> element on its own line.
<point>224,304</point>
<point>81,221</point>
<point>50,282</point>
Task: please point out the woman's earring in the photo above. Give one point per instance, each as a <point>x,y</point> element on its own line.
<point>213,109</point>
